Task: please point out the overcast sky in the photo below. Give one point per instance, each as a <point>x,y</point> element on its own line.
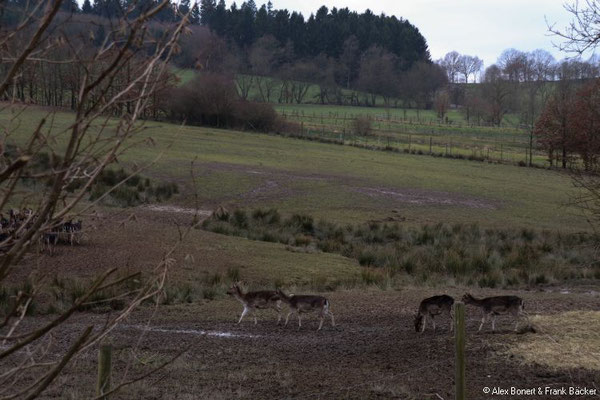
<point>476,27</point>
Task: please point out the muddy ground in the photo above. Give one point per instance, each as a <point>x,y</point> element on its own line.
<point>373,352</point>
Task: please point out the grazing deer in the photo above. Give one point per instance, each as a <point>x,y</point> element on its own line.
<point>256,300</point>
<point>493,306</point>
<point>72,229</point>
<point>431,307</point>
<point>304,304</point>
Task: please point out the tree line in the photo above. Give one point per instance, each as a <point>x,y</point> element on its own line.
<point>324,32</point>
<point>552,100</point>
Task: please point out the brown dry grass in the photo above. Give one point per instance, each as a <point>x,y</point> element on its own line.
<point>563,341</point>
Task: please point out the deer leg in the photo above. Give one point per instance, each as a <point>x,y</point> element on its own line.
<point>493,323</point>
<point>299,320</point>
<point>243,314</point>
<point>517,316</point>
<point>482,321</point>
<point>433,321</point>
<point>424,323</point>
<point>320,323</point>
<point>332,319</point>
<point>277,308</point>
<point>288,318</point>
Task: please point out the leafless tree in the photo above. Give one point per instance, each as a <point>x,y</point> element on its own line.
<point>377,75</point>
<point>496,92</point>
<point>513,63</point>
<point>117,79</point>
<point>441,103</point>
<point>350,60</point>
<point>450,63</point>
<point>469,66</point>
<point>583,32</point>
<point>537,68</point>
<point>264,59</point>
<point>244,83</point>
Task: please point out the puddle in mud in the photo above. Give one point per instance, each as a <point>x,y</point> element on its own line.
<point>175,209</point>
<point>197,332</point>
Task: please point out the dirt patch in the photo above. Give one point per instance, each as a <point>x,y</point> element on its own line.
<point>177,210</point>
<point>271,173</point>
<point>279,184</point>
<point>427,197</point>
<point>372,353</point>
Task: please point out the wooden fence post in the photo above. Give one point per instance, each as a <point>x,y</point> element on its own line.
<point>459,339</point>
<point>104,369</point>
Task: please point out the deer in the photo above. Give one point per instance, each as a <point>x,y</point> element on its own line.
<point>252,301</point>
<point>72,229</point>
<point>304,304</point>
<point>431,307</point>
<point>494,306</point>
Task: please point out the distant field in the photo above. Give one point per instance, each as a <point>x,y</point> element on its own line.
<point>343,183</point>
<point>404,129</point>
<point>416,130</point>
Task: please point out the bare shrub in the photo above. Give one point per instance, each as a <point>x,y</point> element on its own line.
<point>208,99</point>
<point>113,82</point>
<point>256,116</point>
<point>212,99</point>
<point>362,125</point>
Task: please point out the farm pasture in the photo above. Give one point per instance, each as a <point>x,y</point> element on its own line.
<point>373,344</point>
<point>343,183</point>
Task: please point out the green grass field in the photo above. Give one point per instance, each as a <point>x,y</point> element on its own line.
<point>343,183</point>
<point>403,129</point>
<point>416,130</point>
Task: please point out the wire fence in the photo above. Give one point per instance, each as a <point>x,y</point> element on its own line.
<point>504,144</point>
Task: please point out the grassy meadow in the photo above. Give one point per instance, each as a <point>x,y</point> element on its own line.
<point>343,183</point>
<point>385,229</point>
<point>411,130</point>
<point>416,131</point>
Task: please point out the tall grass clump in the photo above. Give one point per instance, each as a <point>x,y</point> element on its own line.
<point>464,253</point>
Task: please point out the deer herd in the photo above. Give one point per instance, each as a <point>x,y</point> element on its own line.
<point>19,221</point>
<point>430,307</point>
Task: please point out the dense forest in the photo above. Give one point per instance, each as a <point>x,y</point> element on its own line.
<point>325,32</point>
<point>372,56</point>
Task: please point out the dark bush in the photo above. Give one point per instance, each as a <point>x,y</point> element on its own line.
<point>270,216</point>
<point>255,116</point>
<point>212,99</point>
<point>362,125</point>
<point>240,219</point>
<point>304,222</point>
